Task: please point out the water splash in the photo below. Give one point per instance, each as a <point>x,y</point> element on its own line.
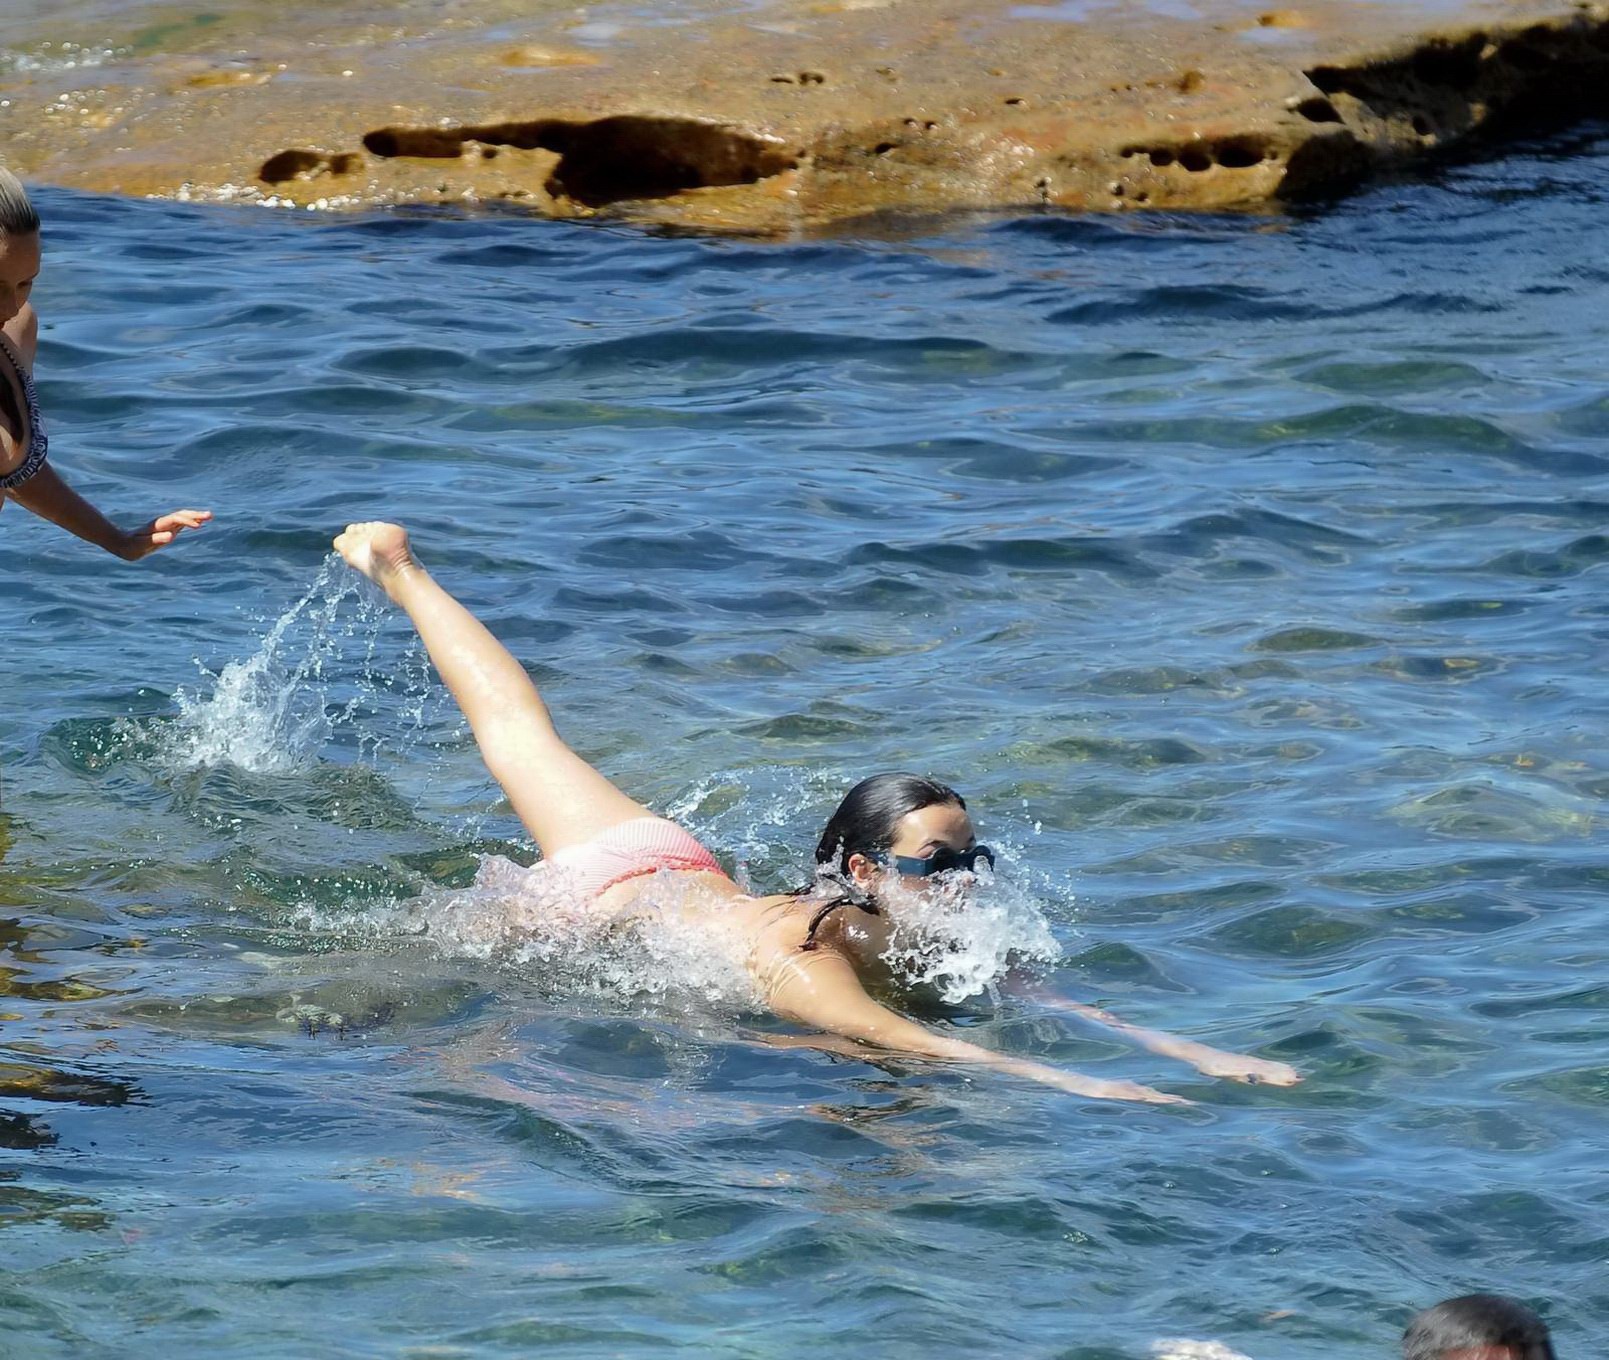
<point>668,948</point>
<point>279,709</point>
<point>1180,1348</point>
<point>962,932</point>
<point>671,949</point>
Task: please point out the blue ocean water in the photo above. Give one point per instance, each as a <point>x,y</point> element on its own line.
<point>1245,573</point>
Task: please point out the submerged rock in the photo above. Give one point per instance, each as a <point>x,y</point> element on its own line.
<point>782,118</point>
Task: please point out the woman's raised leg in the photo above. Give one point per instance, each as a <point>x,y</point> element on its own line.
<point>561,799</point>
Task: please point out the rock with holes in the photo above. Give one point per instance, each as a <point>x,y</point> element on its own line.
<point>784,118</point>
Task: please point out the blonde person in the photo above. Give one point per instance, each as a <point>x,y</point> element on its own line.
<point>810,953</point>
<point>26,476</point>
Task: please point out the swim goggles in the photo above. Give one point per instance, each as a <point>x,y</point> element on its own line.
<point>939,862</point>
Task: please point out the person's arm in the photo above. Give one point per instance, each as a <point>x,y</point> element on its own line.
<point>49,497</point>
<point>822,990</point>
<point>561,799</point>
<point>1211,1062</point>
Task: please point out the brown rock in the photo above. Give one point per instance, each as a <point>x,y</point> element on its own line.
<point>791,118</point>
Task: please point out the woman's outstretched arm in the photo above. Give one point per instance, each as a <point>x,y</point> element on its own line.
<point>1212,1062</point>
<point>561,799</point>
<point>49,497</point>
<point>822,989</point>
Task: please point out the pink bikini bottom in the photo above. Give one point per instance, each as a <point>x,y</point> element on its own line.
<point>640,846</point>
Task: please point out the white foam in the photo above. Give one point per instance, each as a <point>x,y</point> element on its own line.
<point>1178,1348</point>
<point>667,947</point>
<point>276,711</point>
<point>259,714</point>
<point>960,933</point>
<point>670,947</point>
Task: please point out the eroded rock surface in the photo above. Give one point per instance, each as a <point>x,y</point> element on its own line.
<point>779,117</point>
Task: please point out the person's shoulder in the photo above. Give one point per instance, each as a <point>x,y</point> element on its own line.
<point>23,331</point>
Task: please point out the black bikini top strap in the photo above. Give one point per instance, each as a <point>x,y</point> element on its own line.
<point>870,908</point>
<point>38,440</point>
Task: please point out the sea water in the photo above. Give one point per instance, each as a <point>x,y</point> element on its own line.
<point>1245,573</point>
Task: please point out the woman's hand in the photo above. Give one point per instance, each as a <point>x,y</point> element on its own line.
<point>134,544</point>
<point>49,497</point>
<point>1239,1067</point>
<point>1211,1062</point>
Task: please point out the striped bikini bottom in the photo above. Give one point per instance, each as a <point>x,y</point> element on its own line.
<point>643,845</point>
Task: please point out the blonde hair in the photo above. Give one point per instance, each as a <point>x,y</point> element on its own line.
<point>18,216</point>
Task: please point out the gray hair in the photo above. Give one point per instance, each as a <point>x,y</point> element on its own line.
<point>18,216</point>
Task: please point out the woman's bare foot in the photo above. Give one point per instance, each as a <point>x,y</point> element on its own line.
<point>377,549</point>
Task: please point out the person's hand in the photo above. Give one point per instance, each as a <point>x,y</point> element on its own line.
<point>142,542</point>
<point>1252,1071</point>
<point>1130,1090</point>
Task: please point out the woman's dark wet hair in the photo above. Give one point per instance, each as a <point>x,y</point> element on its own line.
<point>18,217</point>
<point>1476,1320</point>
<point>864,824</point>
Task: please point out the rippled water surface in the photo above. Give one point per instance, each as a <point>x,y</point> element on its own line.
<point>1247,575</point>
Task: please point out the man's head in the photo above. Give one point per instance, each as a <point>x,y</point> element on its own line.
<point>1477,1327</point>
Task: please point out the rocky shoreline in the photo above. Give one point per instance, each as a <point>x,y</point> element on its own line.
<point>791,118</point>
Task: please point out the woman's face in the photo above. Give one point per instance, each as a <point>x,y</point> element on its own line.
<point>19,266</point>
<point>918,835</point>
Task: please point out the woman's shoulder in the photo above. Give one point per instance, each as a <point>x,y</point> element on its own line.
<point>23,332</point>
<point>789,924</point>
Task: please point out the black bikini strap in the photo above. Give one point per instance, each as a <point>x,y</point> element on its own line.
<point>866,905</point>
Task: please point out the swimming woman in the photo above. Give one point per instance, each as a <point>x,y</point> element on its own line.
<point>810,953</point>
<point>25,475</point>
